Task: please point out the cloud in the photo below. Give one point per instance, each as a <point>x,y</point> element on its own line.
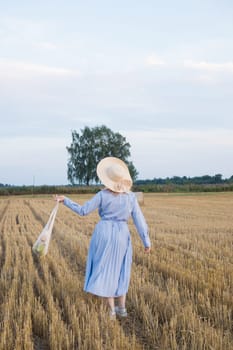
<point>154,60</point>
<point>46,45</point>
<point>18,69</point>
<point>201,66</point>
<point>217,137</point>
<point>210,67</point>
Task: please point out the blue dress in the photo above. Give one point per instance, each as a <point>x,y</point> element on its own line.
<point>109,258</point>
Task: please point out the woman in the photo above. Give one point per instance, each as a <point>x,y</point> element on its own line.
<point>110,253</point>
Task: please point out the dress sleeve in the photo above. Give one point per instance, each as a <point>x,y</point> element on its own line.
<point>140,223</point>
<point>86,208</point>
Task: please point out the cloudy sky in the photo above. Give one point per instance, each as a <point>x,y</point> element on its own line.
<point>158,72</point>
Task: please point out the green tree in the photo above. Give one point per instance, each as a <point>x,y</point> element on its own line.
<point>90,146</point>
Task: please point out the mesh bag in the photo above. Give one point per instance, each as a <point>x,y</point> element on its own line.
<point>41,246</point>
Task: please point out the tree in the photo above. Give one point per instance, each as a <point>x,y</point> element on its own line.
<point>218,178</point>
<point>92,145</point>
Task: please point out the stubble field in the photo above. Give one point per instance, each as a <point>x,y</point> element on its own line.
<point>180,296</point>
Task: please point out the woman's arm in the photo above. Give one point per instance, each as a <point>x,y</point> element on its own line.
<point>141,225</point>
<point>84,209</point>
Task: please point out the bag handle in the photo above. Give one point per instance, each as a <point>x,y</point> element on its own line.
<point>52,215</point>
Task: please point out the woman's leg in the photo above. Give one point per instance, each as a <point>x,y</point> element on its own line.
<point>121,301</point>
<point>111,303</point>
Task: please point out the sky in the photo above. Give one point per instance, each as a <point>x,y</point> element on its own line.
<point>158,72</point>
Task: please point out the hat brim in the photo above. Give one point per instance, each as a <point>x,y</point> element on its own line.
<point>121,186</point>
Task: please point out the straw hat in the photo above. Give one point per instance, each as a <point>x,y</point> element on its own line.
<point>114,174</point>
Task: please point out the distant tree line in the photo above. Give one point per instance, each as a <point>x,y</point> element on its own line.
<point>184,180</point>
<point>9,190</point>
<point>168,185</point>
<point>175,180</point>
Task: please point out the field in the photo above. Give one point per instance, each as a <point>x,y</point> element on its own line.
<point>180,296</point>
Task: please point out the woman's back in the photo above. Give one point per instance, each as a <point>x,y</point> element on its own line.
<point>116,206</point>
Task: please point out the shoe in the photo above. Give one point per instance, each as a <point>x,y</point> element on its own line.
<point>112,315</point>
<point>121,311</point>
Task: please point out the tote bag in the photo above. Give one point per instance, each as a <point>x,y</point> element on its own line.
<point>41,246</point>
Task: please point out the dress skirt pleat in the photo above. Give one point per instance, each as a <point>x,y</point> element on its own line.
<point>109,259</point>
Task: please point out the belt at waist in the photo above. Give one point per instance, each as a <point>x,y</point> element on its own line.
<point>114,220</point>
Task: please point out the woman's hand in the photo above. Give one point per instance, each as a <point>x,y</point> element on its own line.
<point>147,250</point>
<point>59,198</point>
